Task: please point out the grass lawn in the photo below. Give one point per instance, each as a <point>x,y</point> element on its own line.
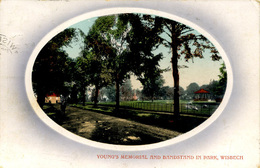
<point>196,108</point>
<point>163,120</point>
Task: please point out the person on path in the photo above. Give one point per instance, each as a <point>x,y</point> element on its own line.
<point>63,100</point>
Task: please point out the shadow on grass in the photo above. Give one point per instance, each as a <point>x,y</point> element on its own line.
<point>54,113</point>
<point>184,123</point>
<point>106,133</point>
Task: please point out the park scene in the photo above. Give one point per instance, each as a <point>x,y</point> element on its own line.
<point>129,79</point>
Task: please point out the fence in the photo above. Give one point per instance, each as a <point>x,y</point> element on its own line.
<point>204,109</point>
<point>197,108</point>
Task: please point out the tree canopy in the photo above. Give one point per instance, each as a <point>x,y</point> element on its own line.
<point>116,47</point>
<point>182,41</point>
<point>52,67</point>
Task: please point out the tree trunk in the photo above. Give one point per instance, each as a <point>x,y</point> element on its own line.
<point>41,98</point>
<point>117,92</point>
<point>74,99</point>
<point>175,74</point>
<point>96,96</point>
<point>152,96</point>
<point>84,96</point>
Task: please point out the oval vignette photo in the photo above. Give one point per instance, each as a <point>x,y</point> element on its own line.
<point>129,79</point>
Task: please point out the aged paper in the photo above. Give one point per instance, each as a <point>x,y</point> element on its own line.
<point>28,138</point>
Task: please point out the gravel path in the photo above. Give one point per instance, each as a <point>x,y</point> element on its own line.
<point>113,130</point>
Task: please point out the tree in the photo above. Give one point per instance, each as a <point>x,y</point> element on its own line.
<point>143,39</point>
<point>52,66</point>
<point>149,74</point>
<point>119,62</point>
<point>169,93</point>
<point>139,94</point>
<point>182,91</point>
<point>152,85</point>
<point>110,91</point>
<point>182,41</point>
<point>106,40</point>
<point>98,53</point>
<point>193,87</point>
<point>212,87</point>
<point>163,92</point>
<point>222,79</point>
<point>126,91</point>
<point>217,87</point>
<point>117,40</point>
<point>81,76</point>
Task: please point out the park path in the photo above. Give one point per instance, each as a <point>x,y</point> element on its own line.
<point>113,130</point>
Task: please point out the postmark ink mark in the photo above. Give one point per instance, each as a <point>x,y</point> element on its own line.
<point>7,45</point>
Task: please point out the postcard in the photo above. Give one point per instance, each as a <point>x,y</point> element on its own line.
<point>129,84</point>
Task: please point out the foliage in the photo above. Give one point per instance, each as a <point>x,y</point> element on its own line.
<point>106,40</point>
<point>212,88</point>
<point>217,87</point>
<point>116,47</point>
<point>143,39</point>
<point>222,80</point>
<point>191,88</point>
<point>152,85</point>
<point>52,67</point>
<point>97,52</point>
<point>110,91</point>
<point>182,41</point>
<point>126,92</point>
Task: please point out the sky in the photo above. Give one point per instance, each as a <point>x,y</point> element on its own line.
<point>202,71</point>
